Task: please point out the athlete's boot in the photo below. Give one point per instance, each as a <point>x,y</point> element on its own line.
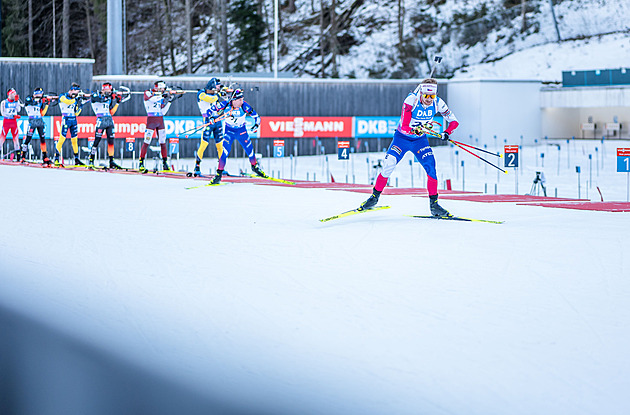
<point>46,162</point>
<point>18,155</point>
<point>57,162</point>
<point>24,153</point>
<point>197,171</point>
<point>113,165</point>
<point>77,161</point>
<point>141,167</point>
<point>436,209</point>
<point>371,201</point>
<point>91,160</point>
<point>256,169</point>
<point>165,165</point>
<point>217,177</point>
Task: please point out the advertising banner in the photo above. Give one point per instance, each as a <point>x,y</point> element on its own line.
<point>374,127</point>
<point>306,127</point>
<point>126,127</point>
<point>23,126</point>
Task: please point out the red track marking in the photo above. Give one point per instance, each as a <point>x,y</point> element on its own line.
<point>593,206</point>
<point>505,198</point>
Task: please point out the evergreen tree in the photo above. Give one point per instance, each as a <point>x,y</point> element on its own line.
<point>14,28</point>
<point>250,31</point>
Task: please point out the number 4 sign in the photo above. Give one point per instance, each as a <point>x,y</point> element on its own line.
<point>511,156</point>
<point>343,150</point>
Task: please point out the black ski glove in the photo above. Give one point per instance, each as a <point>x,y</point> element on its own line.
<point>445,136</point>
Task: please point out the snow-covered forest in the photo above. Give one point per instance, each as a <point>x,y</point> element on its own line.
<point>326,38</point>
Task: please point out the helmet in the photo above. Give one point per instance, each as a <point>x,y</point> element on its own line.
<point>237,94</point>
<point>159,86</point>
<point>213,83</point>
<point>38,91</point>
<point>107,87</point>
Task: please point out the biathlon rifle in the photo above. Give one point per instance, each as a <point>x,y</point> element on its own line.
<point>427,129</point>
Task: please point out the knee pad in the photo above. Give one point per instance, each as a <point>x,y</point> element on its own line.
<point>389,165</point>
<point>148,135</point>
<point>161,136</point>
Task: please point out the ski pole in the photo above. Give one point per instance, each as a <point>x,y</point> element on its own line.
<point>480,158</point>
<point>476,148</point>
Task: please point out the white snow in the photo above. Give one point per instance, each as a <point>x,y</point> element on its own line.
<point>547,62</point>
<point>240,290</point>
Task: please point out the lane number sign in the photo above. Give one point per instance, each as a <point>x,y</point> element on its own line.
<point>511,156</point>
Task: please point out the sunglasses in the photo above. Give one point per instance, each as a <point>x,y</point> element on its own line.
<point>428,96</point>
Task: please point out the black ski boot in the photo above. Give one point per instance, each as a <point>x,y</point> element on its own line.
<point>436,209</point>
<point>141,167</point>
<point>57,162</point>
<point>197,171</point>
<point>256,169</point>
<point>113,165</point>
<point>165,166</point>
<point>217,177</point>
<point>371,201</point>
<point>45,160</point>
<point>77,161</point>
<point>91,160</point>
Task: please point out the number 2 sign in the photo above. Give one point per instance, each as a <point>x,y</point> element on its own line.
<point>511,156</point>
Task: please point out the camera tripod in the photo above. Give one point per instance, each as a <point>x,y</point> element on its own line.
<point>539,183</point>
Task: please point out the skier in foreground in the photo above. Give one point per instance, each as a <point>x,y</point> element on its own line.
<point>419,108</point>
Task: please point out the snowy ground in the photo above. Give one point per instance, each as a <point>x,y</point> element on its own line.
<point>240,291</point>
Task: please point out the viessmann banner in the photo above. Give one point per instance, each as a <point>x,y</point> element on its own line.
<point>271,127</point>
<point>307,127</point>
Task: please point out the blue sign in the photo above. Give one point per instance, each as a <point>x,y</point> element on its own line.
<point>278,148</point>
<point>373,127</point>
<point>343,150</point>
<point>173,146</point>
<point>130,144</point>
<point>23,126</point>
<point>623,160</point>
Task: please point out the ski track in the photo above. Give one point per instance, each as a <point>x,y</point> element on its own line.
<point>240,290</point>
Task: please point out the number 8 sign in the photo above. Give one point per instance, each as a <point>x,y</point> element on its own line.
<point>131,143</point>
<point>511,156</point>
